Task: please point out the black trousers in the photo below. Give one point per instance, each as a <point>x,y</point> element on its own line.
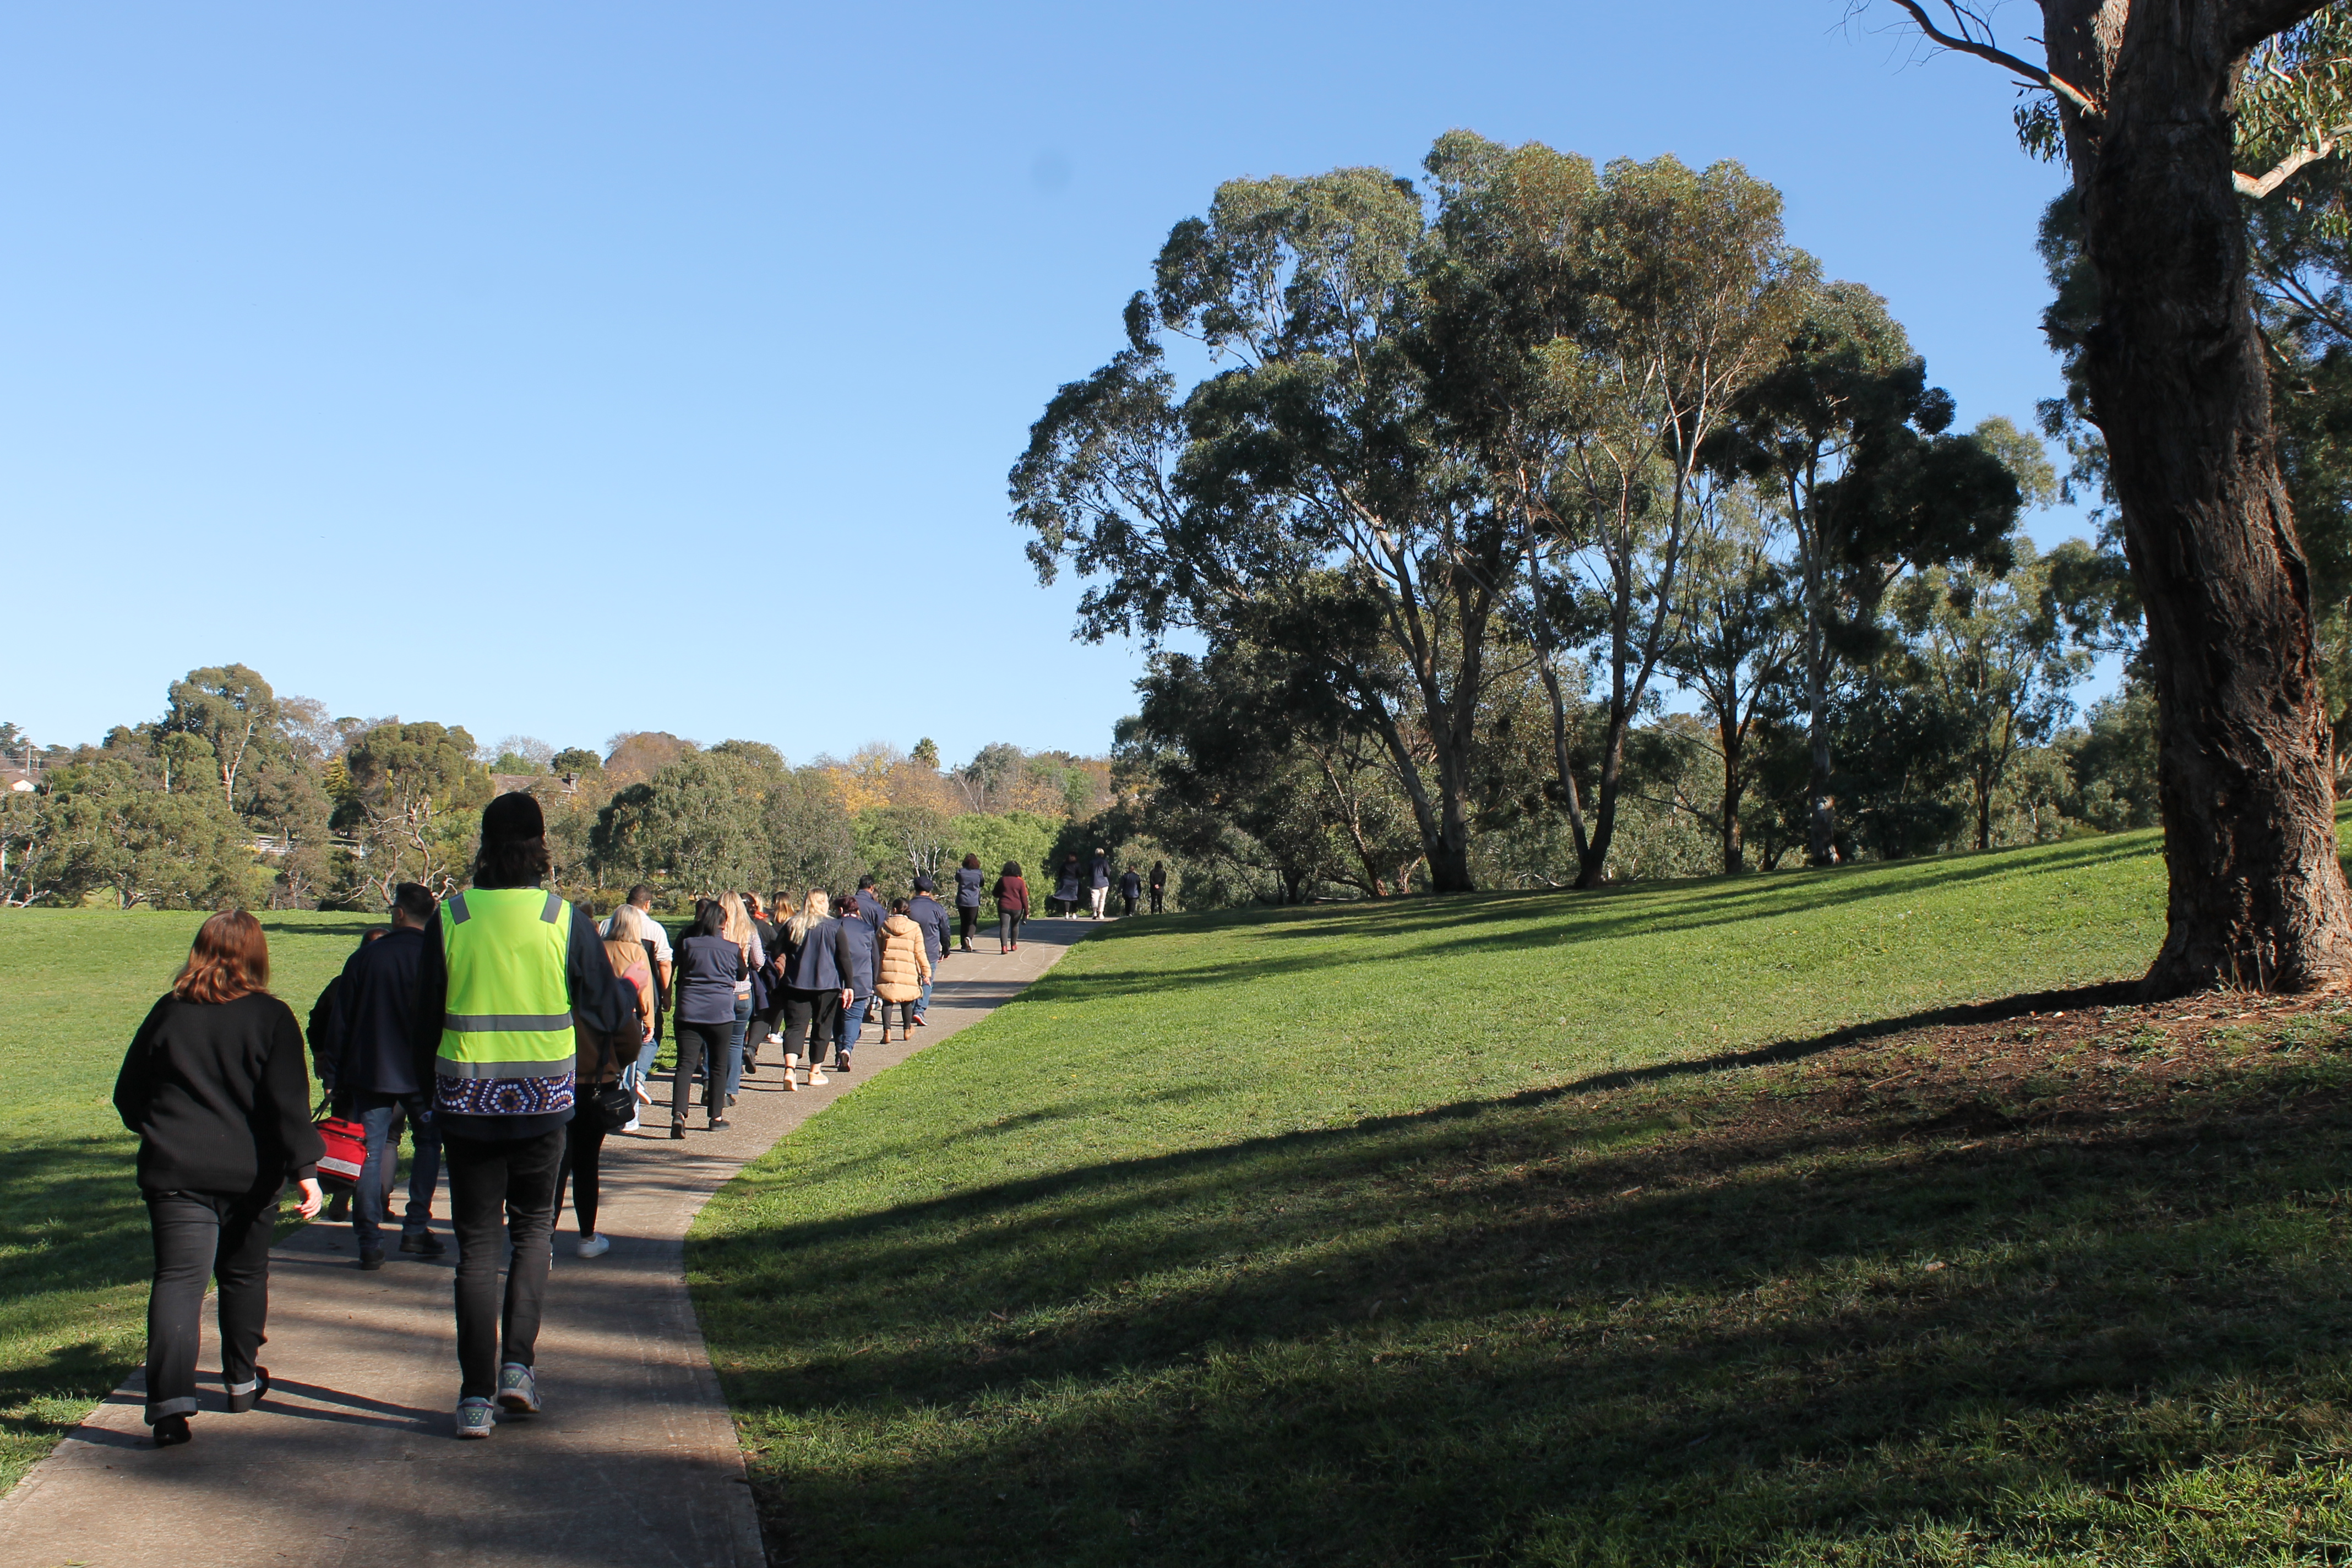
<point>1156,891</point>
<point>583,1150</point>
<point>1008,926</point>
<point>968,921</point>
<point>698,1044</point>
<point>200,1237</point>
<point>1126,904</point>
<point>502,1205</point>
<point>810,1020</point>
<point>763,1023</point>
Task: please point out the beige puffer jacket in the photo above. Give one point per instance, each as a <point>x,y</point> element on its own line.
<point>902,966</point>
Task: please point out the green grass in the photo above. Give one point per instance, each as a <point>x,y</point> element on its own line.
<point>73,1231</point>
<point>1672,1224</point>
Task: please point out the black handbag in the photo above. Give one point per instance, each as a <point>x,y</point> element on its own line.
<point>613,1107</point>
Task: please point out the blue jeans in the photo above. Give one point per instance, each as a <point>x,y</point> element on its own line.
<point>923,1003</point>
<point>734,1074</point>
<point>375,1113</point>
<point>852,1024</point>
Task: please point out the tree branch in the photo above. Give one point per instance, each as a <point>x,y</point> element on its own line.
<point>2250,186</point>
<point>1963,44</point>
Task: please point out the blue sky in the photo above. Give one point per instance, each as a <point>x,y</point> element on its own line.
<point>568,369</point>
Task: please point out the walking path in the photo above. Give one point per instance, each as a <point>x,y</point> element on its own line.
<point>351,1462</point>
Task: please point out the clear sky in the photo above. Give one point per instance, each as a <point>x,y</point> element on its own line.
<point>573,368</point>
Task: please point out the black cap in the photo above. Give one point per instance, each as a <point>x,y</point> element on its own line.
<point>511,816</point>
<point>924,884</point>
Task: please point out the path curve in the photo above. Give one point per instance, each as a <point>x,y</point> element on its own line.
<point>351,1463</point>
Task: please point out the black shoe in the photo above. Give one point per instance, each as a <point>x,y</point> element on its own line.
<point>239,1403</point>
<point>677,1129</point>
<point>844,1065</point>
<point>730,1103</point>
<point>339,1208</point>
<point>371,1259</point>
<point>424,1243</point>
<point>172,1431</point>
<point>751,1067</point>
<point>719,1124</point>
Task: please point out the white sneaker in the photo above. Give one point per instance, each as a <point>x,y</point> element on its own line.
<point>630,1125</point>
<point>594,1246</point>
<point>816,1077</point>
<point>775,1040</point>
<point>518,1389</point>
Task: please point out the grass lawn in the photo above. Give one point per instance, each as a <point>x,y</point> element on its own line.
<point>1682,1224</point>
<point>73,1232</point>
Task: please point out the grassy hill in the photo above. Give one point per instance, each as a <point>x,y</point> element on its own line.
<point>1691,1222</point>
<point>74,1250</point>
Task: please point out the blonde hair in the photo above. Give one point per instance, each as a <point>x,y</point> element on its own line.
<point>816,908</point>
<point>626,925</point>
<point>739,922</point>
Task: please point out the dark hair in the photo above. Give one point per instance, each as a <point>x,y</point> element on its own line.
<point>1012,869</point>
<point>898,906</point>
<point>641,894</point>
<point>972,862</point>
<point>1159,865</point>
<point>865,882</point>
<point>230,959</point>
<point>712,921</point>
<point>511,862</point>
<point>411,900</point>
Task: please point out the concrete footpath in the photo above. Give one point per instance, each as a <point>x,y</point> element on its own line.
<point>351,1463</point>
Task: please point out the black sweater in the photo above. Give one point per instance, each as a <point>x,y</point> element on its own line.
<point>219,1096</point>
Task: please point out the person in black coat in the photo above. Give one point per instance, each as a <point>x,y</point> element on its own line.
<point>816,956</point>
<point>215,1086</point>
<point>373,1077</point>
<point>1131,890</point>
<point>933,916</point>
<point>971,883</point>
<point>860,947</point>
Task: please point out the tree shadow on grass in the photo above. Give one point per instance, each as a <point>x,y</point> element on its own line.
<point>1438,1334</point>
<point>1601,915</point>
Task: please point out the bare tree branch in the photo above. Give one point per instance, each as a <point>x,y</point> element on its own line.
<point>1961,43</point>
<point>2250,186</point>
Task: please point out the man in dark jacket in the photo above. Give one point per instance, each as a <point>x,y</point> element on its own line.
<point>373,1078</point>
<point>933,916</point>
<point>1130,892</point>
<point>873,911</point>
<point>860,946</point>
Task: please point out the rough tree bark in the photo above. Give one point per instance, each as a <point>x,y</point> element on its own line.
<point>2178,389</point>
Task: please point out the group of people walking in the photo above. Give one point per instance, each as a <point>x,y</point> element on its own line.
<point>508,1033</point>
<point>1091,885</point>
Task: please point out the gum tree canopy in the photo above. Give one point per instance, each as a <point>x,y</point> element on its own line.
<point>2159,107</point>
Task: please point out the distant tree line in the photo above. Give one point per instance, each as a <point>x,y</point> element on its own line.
<point>238,794</point>
<point>1541,524</point>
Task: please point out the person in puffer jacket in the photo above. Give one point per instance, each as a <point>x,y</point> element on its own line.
<point>900,970</point>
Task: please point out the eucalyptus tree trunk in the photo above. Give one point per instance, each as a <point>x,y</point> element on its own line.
<point>2180,393</point>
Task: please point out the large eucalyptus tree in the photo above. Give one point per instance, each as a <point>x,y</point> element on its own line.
<point>2161,108</point>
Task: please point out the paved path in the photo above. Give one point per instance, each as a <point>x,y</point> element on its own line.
<point>351,1462</point>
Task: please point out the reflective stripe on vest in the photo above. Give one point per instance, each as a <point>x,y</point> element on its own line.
<point>509,1012</point>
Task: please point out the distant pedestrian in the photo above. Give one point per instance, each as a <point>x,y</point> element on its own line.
<point>599,1058</point>
<point>1099,882</point>
<point>1131,890</point>
<point>767,995</point>
<point>215,1086</point>
<point>629,924</point>
<point>507,967</point>
<point>870,907</point>
<point>744,934</point>
<point>373,1078</point>
<point>1012,895</point>
<point>656,941</point>
<point>1159,883</point>
<point>860,945</point>
<point>1067,885</point>
<point>928,912</point>
<point>813,988</point>
<point>710,962</point>
<point>902,972</point>
<point>970,880</point>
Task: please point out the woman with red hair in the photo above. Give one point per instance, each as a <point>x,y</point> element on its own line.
<point>215,1087</point>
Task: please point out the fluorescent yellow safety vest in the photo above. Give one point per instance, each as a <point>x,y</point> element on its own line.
<point>506,1030</point>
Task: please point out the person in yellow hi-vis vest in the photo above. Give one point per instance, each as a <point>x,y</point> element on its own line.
<point>506,967</point>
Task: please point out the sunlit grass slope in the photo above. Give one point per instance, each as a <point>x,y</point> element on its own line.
<point>74,1255</point>
<point>1345,1235</point>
